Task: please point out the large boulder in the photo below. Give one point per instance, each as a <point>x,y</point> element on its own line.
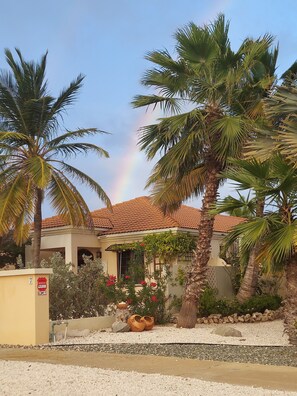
<point>226,331</point>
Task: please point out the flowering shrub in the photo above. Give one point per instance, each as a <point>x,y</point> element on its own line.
<point>145,298</point>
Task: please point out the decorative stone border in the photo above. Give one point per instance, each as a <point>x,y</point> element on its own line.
<point>268,315</point>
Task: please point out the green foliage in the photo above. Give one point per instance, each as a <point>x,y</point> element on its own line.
<point>168,246</point>
<point>210,304</point>
<point>164,245</point>
<point>34,152</point>
<point>88,293</point>
<point>259,304</point>
<point>73,296</point>
<point>10,251</point>
<point>88,300</point>
<point>148,297</point>
<point>62,288</point>
<point>270,284</point>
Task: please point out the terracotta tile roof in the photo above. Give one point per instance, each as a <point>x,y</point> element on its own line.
<point>140,215</point>
<point>189,217</point>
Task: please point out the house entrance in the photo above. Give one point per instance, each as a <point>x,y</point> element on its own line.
<point>80,254</point>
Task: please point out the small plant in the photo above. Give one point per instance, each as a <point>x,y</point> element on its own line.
<point>210,304</point>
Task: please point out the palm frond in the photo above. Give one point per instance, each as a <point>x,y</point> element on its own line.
<point>68,149</point>
<point>68,202</point>
<point>87,180</point>
<point>72,135</point>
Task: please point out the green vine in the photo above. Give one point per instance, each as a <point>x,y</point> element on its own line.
<point>165,245</point>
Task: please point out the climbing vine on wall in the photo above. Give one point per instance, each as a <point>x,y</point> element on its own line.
<point>164,245</point>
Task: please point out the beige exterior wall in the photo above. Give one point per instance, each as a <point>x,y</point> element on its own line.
<point>24,312</point>
<point>73,239</point>
<point>69,240</point>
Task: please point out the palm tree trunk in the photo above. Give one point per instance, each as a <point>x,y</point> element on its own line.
<point>290,308</point>
<point>37,229</point>
<point>249,282</point>
<point>196,276</point>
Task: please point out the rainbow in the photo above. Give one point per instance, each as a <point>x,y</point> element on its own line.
<point>122,184</point>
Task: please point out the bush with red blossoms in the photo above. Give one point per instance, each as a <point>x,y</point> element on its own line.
<point>146,298</point>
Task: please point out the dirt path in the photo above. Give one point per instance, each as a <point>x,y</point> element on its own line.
<point>269,377</point>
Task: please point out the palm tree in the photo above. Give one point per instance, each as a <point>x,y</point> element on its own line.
<point>32,153</point>
<point>276,230</point>
<point>242,206</point>
<point>221,91</point>
<point>281,110</point>
<point>254,176</point>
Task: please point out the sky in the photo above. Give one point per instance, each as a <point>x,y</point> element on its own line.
<point>107,42</point>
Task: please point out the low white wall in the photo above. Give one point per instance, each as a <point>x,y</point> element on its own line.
<point>95,323</point>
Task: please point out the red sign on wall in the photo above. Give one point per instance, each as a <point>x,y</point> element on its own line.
<point>42,286</point>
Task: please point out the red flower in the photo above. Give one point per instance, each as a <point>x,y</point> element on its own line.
<point>153,284</point>
<point>127,277</point>
<point>143,283</point>
<point>142,244</point>
<point>112,278</point>
<point>110,283</point>
<point>128,301</point>
<point>154,298</point>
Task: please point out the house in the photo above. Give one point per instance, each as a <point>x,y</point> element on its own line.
<point>128,222</point>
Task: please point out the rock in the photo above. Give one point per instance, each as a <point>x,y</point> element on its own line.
<point>226,331</point>
<point>78,333</point>
<point>120,327</point>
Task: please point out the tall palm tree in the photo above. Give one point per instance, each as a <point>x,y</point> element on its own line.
<point>221,91</point>
<point>33,153</point>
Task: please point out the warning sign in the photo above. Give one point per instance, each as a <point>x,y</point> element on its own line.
<point>42,286</point>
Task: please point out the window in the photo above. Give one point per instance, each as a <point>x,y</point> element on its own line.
<point>132,264</point>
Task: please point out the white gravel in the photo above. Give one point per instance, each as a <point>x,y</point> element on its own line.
<point>24,378</point>
<point>265,333</point>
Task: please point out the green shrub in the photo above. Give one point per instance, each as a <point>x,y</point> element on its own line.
<point>62,288</point>
<point>210,304</point>
<point>88,300</point>
<point>89,292</point>
<point>259,304</point>
<point>148,297</point>
<point>73,296</point>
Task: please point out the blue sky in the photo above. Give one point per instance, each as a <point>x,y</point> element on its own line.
<point>107,42</point>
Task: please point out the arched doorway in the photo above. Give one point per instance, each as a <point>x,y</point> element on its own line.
<point>80,254</point>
